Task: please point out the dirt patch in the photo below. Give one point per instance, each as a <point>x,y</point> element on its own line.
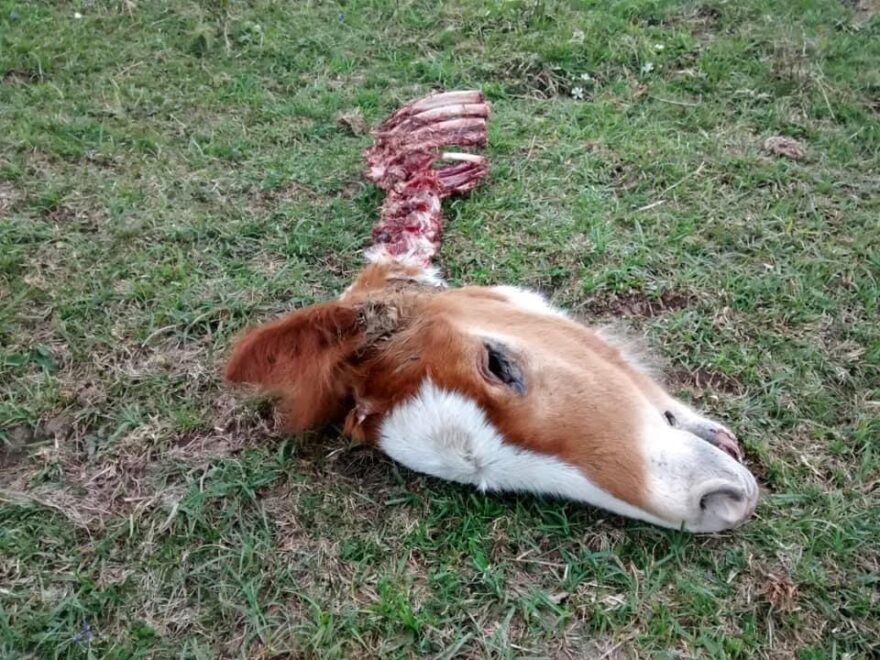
<point>19,77</point>
<point>864,9</point>
<point>352,188</point>
<point>21,440</point>
<point>232,416</point>
<point>362,463</point>
<point>790,148</point>
<point>703,379</point>
<point>60,214</point>
<point>9,197</point>
<point>771,586</point>
<point>334,264</point>
<point>352,122</point>
<point>14,446</point>
<point>637,303</point>
<point>292,191</point>
<point>616,172</point>
<point>703,21</point>
<point>780,591</point>
<point>233,430</point>
<point>58,428</point>
<point>75,212</point>
<point>131,477</point>
<point>84,390</point>
<point>529,75</point>
<point>708,13</point>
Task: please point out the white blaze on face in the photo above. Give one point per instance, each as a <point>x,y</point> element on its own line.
<point>692,485</point>
<point>447,435</point>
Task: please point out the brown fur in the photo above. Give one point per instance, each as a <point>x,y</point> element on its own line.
<point>383,277</point>
<point>303,359</point>
<point>359,357</point>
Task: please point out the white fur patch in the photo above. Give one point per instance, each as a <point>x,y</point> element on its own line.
<point>683,468</point>
<point>428,275</point>
<point>419,251</point>
<point>447,435</point>
<point>529,301</point>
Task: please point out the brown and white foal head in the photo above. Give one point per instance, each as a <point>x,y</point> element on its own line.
<point>494,387</point>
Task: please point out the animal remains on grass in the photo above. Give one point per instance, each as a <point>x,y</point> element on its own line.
<point>490,386</point>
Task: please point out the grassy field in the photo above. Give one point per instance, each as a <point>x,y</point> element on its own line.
<point>172,171</point>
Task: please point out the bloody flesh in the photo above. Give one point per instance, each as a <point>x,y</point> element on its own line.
<point>408,163</point>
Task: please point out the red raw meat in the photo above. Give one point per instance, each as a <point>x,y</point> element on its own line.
<point>407,163</point>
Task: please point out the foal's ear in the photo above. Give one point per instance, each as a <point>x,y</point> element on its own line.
<point>304,359</point>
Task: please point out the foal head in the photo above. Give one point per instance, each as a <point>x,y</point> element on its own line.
<point>496,388</point>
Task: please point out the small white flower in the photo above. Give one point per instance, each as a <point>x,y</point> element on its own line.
<point>586,77</point>
<point>578,36</point>
<point>659,46</point>
<point>647,67</point>
<point>577,93</point>
<point>77,15</point>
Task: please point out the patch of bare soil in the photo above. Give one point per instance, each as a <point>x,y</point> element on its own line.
<point>60,214</point>
<point>9,197</point>
<point>129,478</point>
<point>786,147</point>
<point>76,211</point>
<point>353,122</point>
<point>780,591</point>
<point>233,430</point>
<point>637,303</point>
<point>702,21</point>
<point>12,450</point>
<point>532,76</point>
<point>291,192</point>
<point>19,77</point>
<point>334,264</point>
<point>865,9</point>
<point>773,587</point>
<point>362,463</point>
<point>352,188</point>
<point>21,440</point>
<point>704,378</point>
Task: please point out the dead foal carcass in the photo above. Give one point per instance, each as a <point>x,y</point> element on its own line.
<point>490,386</point>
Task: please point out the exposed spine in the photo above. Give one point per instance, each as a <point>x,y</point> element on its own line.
<point>404,163</point>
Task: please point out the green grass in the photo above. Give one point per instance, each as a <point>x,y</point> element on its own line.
<point>170,172</point>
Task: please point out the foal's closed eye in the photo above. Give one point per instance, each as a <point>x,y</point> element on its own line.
<point>499,366</point>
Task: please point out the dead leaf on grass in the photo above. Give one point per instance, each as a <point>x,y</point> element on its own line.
<point>353,121</point>
<point>781,592</point>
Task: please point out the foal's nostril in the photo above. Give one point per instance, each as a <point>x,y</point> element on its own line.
<point>725,507</point>
<point>728,493</point>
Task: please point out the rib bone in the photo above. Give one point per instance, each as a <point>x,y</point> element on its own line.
<point>407,164</point>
